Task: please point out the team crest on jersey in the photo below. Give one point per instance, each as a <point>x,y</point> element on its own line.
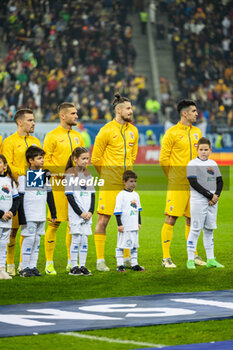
<point>5,189</point>
<point>195,144</point>
<point>210,171</point>
<point>195,136</point>
<point>77,140</point>
<point>84,187</point>
<point>131,135</point>
<point>171,208</point>
<point>133,204</point>
<point>131,144</point>
<point>102,207</point>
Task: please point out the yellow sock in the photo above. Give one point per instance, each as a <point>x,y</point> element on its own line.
<point>126,253</point>
<point>11,251</point>
<point>166,236</point>
<point>20,243</point>
<point>68,241</point>
<point>50,240</point>
<point>100,239</point>
<point>187,229</point>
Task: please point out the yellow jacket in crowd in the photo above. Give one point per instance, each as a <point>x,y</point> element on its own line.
<point>0,144</point>
<point>179,146</point>
<point>58,145</point>
<point>115,150</point>
<point>14,148</point>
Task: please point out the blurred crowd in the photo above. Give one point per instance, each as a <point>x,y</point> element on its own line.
<point>201,36</point>
<point>76,51</point>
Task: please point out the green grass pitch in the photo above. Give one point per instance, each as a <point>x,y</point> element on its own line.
<point>154,280</point>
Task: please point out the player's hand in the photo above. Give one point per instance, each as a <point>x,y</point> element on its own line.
<point>54,219</point>
<point>89,215</point>
<point>84,216</point>
<point>139,226</point>
<point>121,228</point>
<point>5,217</point>
<point>10,214</point>
<point>214,199</point>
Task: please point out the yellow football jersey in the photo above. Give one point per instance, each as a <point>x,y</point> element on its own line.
<point>58,145</point>
<point>179,146</point>
<point>14,148</point>
<point>115,150</point>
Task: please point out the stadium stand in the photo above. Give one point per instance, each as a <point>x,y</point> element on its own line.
<point>201,38</point>
<point>78,51</point>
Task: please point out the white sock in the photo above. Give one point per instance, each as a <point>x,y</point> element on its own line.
<point>49,262</point>
<point>3,250</point>
<point>26,250</point>
<point>100,260</point>
<point>192,242</point>
<point>75,243</point>
<point>119,256</point>
<point>4,237</point>
<point>83,251</point>
<point>68,262</point>
<point>134,256</point>
<point>208,240</point>
<point>35,252</point>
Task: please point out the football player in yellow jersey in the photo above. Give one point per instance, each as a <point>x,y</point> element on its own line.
<point>58,145</point>
<point>115,150</point>
<point>14,148</point>
<point>179,146</point>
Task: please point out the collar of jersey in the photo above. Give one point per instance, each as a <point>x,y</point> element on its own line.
<point>63,129</point>
<point>183,127</point>
<point>120,125</point>
<point>20,135</point>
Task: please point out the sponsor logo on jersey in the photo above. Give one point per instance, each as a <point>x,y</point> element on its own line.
<point>131,135</point>
<point>195,144</point>
<point>133,204</point>
<point>171,208</point>
<point>210,171</point>
<point>5,189</point>
<point>129,242</point>
<point>77,140</point>
<point>133,212</point>
<point>83,194</point>
<point>102,207</point>
<point>195,136</point>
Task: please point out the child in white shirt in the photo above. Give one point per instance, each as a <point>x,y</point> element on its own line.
<point>32,210</point>
<point>81,198</point>
<point>9,202</point>
<point>206,185</point>
<point>127,211</point>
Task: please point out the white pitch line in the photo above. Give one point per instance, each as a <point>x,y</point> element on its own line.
<point>112,340</point>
